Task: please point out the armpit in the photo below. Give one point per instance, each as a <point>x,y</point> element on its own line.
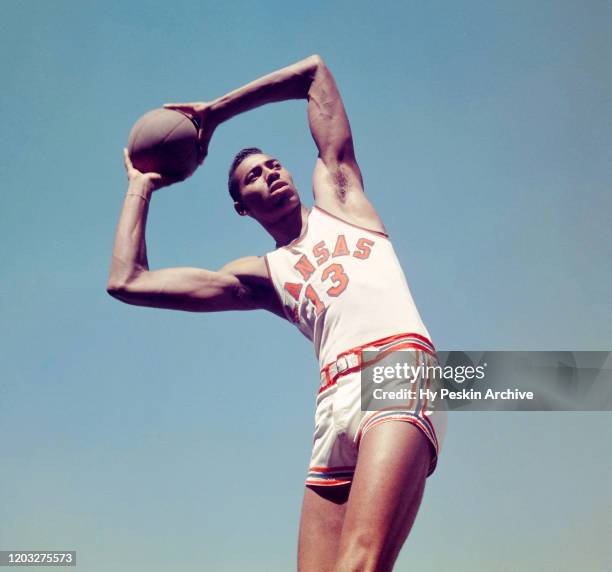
<point>341,182</point>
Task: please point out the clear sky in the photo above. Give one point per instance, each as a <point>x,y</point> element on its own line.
<point>150,440</point>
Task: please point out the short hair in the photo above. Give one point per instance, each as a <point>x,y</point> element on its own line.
<point>232,184</point>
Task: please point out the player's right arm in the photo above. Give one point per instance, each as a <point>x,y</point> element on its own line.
<point>192,289</point>
<point>240,285</point>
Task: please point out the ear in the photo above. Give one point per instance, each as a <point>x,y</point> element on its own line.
<point>240,208</point>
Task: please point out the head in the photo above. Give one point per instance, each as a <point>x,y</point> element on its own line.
<point>261,187</point>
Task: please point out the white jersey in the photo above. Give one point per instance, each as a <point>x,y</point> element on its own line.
<point>342,286</point>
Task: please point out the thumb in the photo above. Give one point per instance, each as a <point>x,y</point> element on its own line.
<point>184,107</point>
<point>167,180</point>
<point>126,159</point>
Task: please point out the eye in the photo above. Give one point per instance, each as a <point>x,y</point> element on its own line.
<point>252,175</point>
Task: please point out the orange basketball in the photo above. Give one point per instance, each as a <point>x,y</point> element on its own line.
<point>164,141</point>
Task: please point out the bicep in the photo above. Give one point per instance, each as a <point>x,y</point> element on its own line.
<point>188,289</point>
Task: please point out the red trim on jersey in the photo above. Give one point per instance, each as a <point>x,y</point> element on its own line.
<point>426,347</point>
<point>400,414</point>
<point>378,232</point>
<point>280,299</point>
<point>330,469</point>
<point>327,483</point>
<point>422,423</point>
<point>414,420</point>
<point>322,481</point>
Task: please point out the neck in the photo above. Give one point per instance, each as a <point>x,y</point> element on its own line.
<point>289,227</point>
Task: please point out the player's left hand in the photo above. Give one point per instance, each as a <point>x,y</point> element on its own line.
<point>201,113</point>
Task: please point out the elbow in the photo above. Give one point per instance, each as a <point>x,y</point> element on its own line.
<point>120,285</point>
<point>315,70</point>
<point>316,61</point>
<point>116,289</point>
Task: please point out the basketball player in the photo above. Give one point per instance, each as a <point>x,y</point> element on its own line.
<point>333,274</point>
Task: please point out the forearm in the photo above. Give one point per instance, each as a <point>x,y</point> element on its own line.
<point>130,250</point>
<point>291,82</point>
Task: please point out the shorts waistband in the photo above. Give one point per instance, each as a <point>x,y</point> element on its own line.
<point>351,360</point>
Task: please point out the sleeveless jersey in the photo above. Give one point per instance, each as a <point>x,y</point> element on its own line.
<point>342,286</point>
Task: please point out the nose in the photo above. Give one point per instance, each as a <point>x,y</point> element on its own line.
<point>271,176</point>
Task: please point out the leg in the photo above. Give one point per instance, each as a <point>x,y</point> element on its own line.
<point>385,496</point>
<point>320,527</point>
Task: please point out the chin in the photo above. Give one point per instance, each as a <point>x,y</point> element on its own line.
<point>284,210</point>
<point>293,202</point>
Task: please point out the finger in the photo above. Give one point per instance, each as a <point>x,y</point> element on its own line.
<point>180,106</point>
<point>156,180</point>
<point>166,181</point>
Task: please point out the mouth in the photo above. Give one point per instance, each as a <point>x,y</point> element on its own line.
<point>277,186</point>
<point>280,193</point>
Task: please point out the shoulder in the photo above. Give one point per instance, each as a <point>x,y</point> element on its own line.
<point>356,211</point>
<point>251,275</point>
<point>246,267</point>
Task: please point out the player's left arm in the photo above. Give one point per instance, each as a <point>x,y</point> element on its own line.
<point>337,181</point>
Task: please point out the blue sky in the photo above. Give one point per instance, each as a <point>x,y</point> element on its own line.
<point>154,440</point>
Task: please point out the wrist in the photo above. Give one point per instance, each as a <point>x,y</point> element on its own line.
<point>142,188</point>
<point>217,112</point>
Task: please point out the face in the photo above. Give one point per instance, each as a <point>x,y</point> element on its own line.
<point>266,189</point>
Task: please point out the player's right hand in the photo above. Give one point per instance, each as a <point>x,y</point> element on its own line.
<point>149,182</point>
<point>201,113</point>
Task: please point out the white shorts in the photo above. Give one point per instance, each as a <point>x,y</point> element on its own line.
<point>340,424</point>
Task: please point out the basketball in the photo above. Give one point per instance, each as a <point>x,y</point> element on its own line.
<point>164,141</point>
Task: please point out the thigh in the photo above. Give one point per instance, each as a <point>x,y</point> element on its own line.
<point>389,481</point>
<point>321,522</point>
